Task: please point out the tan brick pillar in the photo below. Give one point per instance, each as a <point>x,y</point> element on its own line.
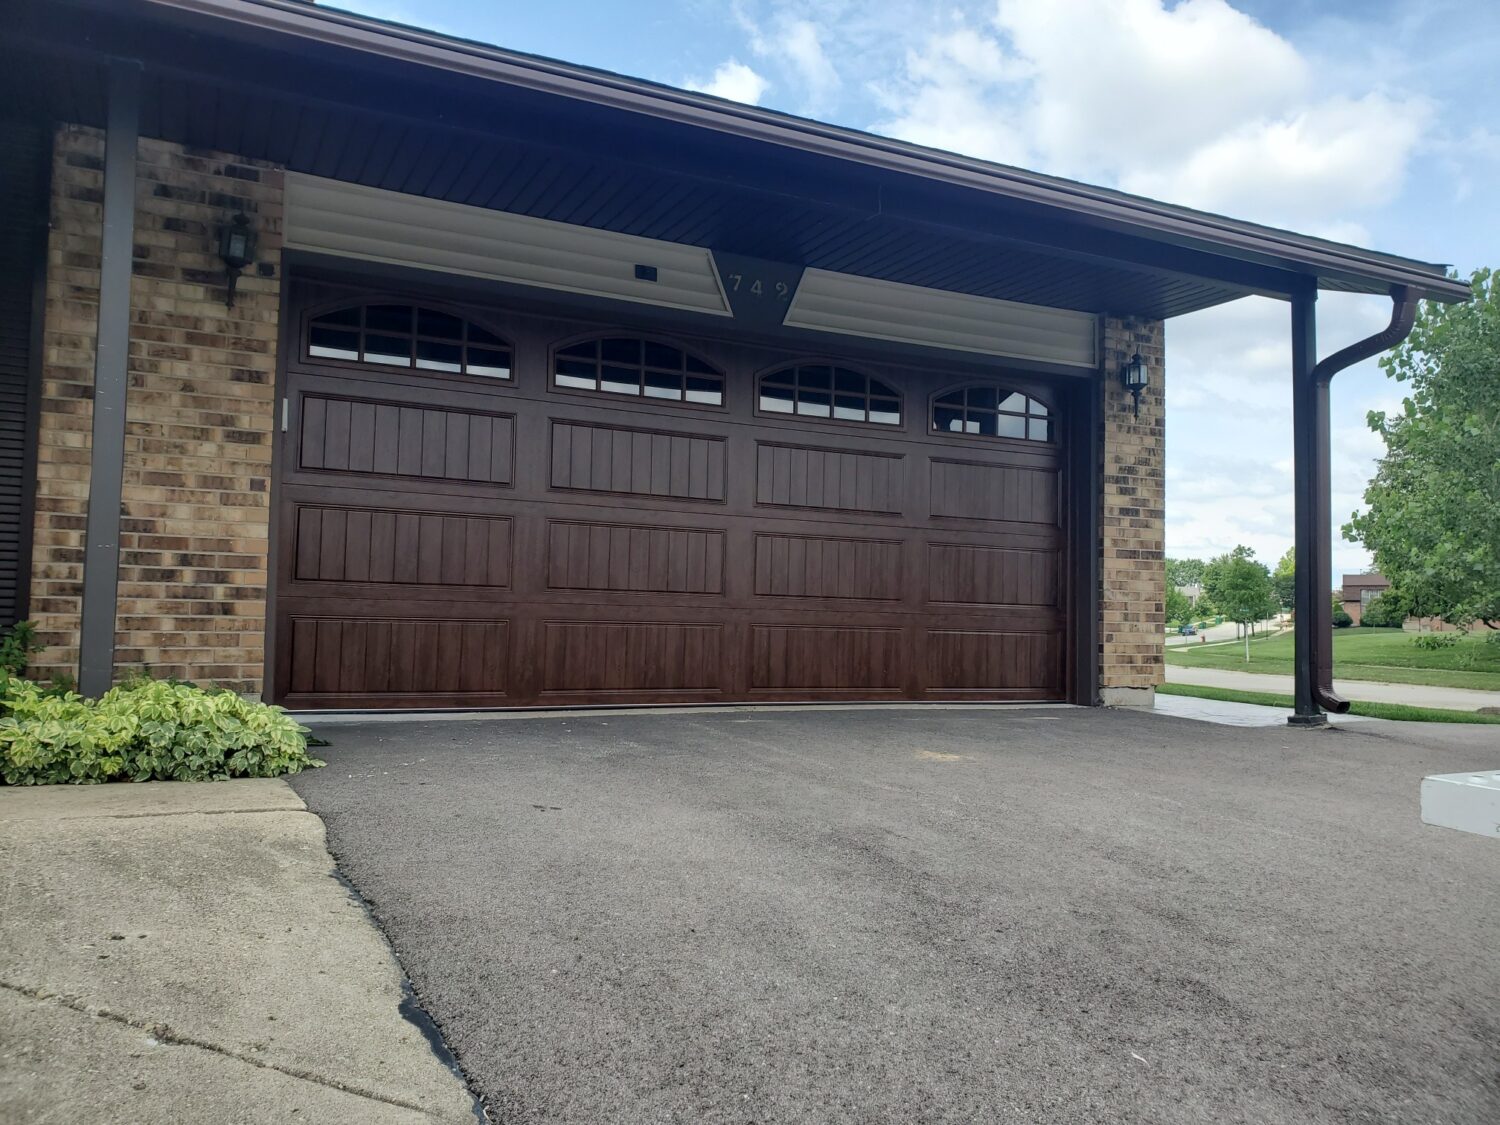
<point>1132,519</point>
<point>200,414</point>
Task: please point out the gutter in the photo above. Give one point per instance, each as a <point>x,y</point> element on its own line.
<point>1403,315</point>
<point>1116,210</point>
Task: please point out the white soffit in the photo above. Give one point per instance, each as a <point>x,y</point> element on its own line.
<point>888,310</point>
<point>375,225</point>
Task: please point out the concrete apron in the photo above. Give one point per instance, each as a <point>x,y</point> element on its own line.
<point>187,952</point>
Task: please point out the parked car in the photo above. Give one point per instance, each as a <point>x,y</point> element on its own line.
<point>1189,630</point>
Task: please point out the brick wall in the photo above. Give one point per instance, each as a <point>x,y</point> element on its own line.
<point>1131,525</point>
<point>199,415</point>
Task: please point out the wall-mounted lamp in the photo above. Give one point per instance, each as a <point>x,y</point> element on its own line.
<point>1135,377</point>
<point>236,250</point>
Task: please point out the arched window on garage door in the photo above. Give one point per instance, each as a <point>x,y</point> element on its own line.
<point>822,390</point>
<point>407,336</point>
<point>633,365</point>
<point>990,410</point>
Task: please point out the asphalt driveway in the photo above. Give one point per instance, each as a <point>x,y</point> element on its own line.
<point>1045,915</point>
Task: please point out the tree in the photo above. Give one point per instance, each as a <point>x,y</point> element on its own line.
<point>1241,588</point>
<point>1433,507</point>
<point>1384,611</point>
<point>1178,607</point>
<point>1284,579</point>
<point>1185,572</point>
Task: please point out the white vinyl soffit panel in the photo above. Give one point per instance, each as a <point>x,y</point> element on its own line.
<point>375,225</point>
<point>887,310</point>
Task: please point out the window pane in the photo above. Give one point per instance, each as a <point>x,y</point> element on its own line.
<point>818,378</point>
<point>982,422</point>
<point>659,355</point>
<point>702,389</point>
<point>342,318</point>
<point>388,318</point>
<point>1008,426</point>
<point>1016,403</point>
<point>851,408</point>
<point>886,411</point>
<point>663,384</point>
<point>879,388</point>
<point>982,398</point>
<point>778,400</point>
<point>580,382</point>
<point>621,351</point>
<point>433,323</point>
<point>946,419</point>
<point>698,366</point>
<point>1038,429</point>
<point>1038,409</point>
<point>620,381</point>
<point>433,356</point>
<point>478,335</point>
<point>331,343</point>
<point>587,350</point>
<point>815,404</point>
<point>493,364</point>
<point>952,398</point>
<point>392,350</point>
<point>846,380</point>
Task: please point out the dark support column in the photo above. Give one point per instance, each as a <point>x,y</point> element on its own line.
<point>1310,488</point>
<point>101,560</point>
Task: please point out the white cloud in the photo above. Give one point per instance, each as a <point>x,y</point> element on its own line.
<point>735,81</point>
<point>1195,104</point>
<point>794,46</point>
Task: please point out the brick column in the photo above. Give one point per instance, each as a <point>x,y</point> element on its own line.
<point>200,416</point>
<point>1132,520</point>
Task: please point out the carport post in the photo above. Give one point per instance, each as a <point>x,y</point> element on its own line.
<point>1310,484</point>
<point>101,558</point>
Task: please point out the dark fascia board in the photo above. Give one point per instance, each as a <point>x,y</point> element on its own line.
<point>1362,270</point>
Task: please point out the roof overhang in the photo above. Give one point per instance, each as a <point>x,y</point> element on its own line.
<point>348,97</point>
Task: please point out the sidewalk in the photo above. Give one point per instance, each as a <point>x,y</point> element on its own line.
<point>1416,695</point>
<point>185,953</point>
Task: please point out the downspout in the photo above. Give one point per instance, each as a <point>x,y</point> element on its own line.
<point>1314,632</point>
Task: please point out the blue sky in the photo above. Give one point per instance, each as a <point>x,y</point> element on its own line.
<point>1370,121</point>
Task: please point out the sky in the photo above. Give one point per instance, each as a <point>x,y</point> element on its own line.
<point>1368,121</point>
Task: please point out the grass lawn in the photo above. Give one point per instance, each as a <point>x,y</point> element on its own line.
<point>1386,655</point>
<point>1398,711</point>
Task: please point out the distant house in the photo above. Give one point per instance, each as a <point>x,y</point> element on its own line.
<point>1360,590</point>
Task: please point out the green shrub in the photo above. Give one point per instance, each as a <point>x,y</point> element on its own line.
<point>1384,611</point>
<point>1434,642</point>
<point>148,730</point>
<point>17,646</point>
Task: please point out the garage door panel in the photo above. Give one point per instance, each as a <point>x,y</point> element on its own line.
<point>976,490</point>
<point>987,661</point>
<point>799,476</point>
<point>812,566</point>
<point>401,547</point>
<point>603,658</point>
<point>992,576</point>
<point>819,659</point>
<point>583,555</point>
<point>370,437</point>
<point>375,656</point>
<point>603,458</point>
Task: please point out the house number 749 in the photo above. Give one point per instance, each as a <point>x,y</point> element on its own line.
<point>757,288</point>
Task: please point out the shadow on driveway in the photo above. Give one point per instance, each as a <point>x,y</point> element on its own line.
<point>932,915</point>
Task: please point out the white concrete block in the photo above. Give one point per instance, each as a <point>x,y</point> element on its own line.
<point>1469,802</point>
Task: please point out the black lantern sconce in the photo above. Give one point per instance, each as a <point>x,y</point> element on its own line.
<point>236,250</point>
<point>1135,377</point>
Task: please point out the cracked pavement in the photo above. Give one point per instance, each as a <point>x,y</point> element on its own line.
<point>186,953</point>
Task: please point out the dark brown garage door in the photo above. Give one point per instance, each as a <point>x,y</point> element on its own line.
<point>481,508</point>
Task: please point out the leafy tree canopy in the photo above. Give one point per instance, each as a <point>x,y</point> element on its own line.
<point>1284,579</point>
<point>1433,518</point>
<point>1178,607</point>
<point>1185,572</point>
<point>1240,586</point>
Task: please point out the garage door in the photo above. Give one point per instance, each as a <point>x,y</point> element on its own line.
<point>486,508</point>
